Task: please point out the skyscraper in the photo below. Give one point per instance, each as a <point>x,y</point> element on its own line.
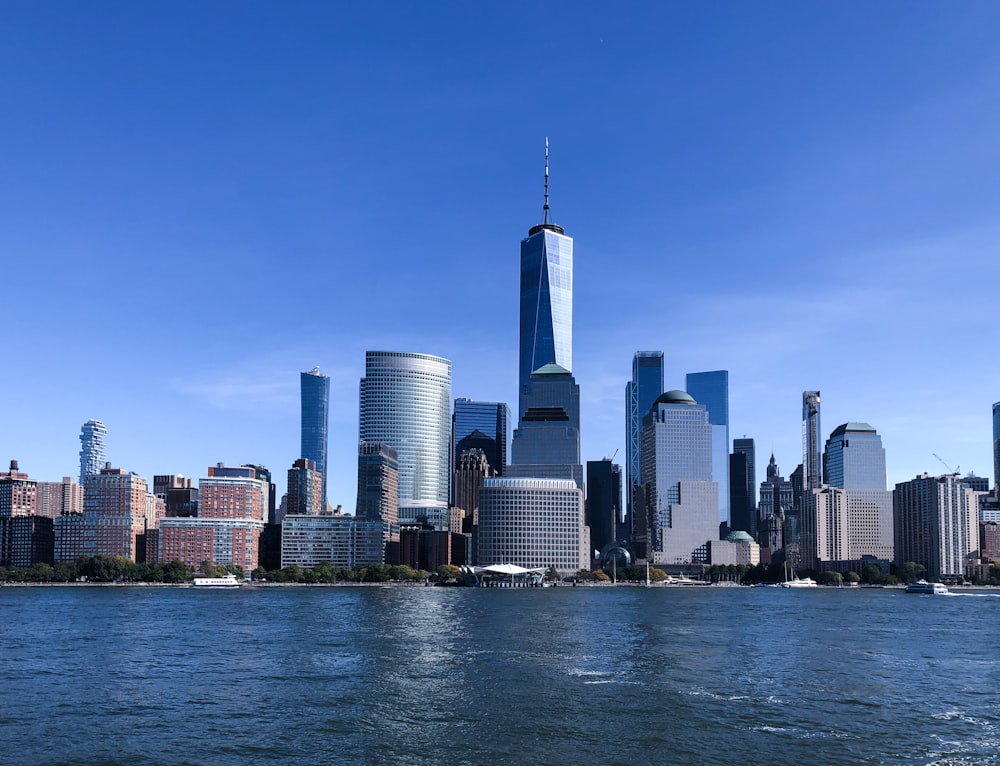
<point>483,426</point>
<point>546,335</point>
<point>640,393</point>
<point>996,444</point>
<point>743,487</point>
<point>405,403</point>
<point>305,487</point>
<point>315,389</point>
<point>92,449</point>
<point>811,440</point>
<point>850,517</point>
<point>935,524</point>
<point>681,498</point>
<point>712,390</point>
<point>854,458</point>
<point>378,486</point>
<point>604,502</point>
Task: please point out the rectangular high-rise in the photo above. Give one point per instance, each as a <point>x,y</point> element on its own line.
<point>640,393</point>
<point>743,487</point>
<point>604,502</point>
<point>315,389</point>
<point>484,426</point>
<point>712,390</point>
<point>936,525</point>
<point>811,441</point>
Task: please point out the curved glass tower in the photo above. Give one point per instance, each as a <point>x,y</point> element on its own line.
<point>315,415</point>
<point>406,404</point>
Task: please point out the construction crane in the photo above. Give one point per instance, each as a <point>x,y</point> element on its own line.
<point>951,470</point>
<point>610,459</point>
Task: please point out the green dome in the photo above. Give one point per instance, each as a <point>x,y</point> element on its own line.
<point>739,537</point>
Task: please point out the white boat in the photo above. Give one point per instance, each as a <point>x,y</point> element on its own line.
<point>791,581</point>
<point>229,581</point>
<point>928,588</point>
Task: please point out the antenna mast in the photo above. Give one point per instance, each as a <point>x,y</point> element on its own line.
<point>545,207</point>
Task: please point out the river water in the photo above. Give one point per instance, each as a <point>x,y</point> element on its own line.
<point>423,675</point>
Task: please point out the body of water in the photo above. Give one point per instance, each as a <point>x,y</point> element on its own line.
<point>422,675</point>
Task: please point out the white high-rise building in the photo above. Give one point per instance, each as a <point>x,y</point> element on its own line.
<point>92,458</point>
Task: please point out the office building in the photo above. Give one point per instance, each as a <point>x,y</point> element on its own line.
<point>743,487</point>
<point>315,401</point>
<point>777,498</point>
<point>406,405</point>
<point>711,389</point>
<point>850,518</point>
<point>935,524</point>
<point>546,335</point>
<point>604,503</point>
<point>640,393</point>
<point>305,488</point>
<point>483,426</point>
<point>25,537</point>
<point>811,441</point>
<point>854,458</point>
<point>378,488</point>
<point>681,497</point>
<point>92,458</point>
<point>533,523</point>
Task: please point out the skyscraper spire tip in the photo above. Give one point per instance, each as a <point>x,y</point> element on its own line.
<point>545,207</point>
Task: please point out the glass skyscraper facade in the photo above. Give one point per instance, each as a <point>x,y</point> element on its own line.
<point>712,390</point>
<point>405,403</point>
<point>854,458</point>
<point>640,393</point>
<point>315,389</point>
<point>92,449</point>
<point>743,487</point>
<point>681,498</point>
<point>481,425</point>
<point>996,444</point>
<point>546,302</point>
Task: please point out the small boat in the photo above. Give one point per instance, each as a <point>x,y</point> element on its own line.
<point>928,588</point>
<point>229,581</point>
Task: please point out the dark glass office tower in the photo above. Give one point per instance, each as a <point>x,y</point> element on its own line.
<point>546,297</point>
<point>712,390</point>
<point>315,416</point>
<point>604,502</point>
<point>483,426</point>
<point>640,393</point>
<point>743,487</point>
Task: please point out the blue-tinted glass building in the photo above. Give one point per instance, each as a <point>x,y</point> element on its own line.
<point>996,444</point>
<point>546,302</point>
<point>405,403</point>
<point>640,393</point>
<point>481,425</point>
<point>546,444</point>
<point>854,458</point>
<point>712,390</point>
<point>315,398</point>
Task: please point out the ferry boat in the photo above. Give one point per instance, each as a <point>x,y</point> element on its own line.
<point>229,581</point>
<point>929,588</point>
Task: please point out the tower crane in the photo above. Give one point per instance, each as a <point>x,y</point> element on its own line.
<point>951,470</point>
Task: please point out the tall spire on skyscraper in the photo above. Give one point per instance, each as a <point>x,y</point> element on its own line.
<point>545,207</point>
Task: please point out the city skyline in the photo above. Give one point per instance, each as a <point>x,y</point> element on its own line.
<point>170,215</point>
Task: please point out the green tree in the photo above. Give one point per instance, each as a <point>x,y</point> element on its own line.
<point>852,577</point>
<point>829,578</point>
<point>911,571</point>
<point>871,574</point>
<point>448,572</point>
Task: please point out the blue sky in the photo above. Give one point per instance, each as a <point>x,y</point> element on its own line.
<point>200,200</point>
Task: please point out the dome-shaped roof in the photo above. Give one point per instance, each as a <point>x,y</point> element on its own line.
<point>675,397</point>
<point>739,537</point>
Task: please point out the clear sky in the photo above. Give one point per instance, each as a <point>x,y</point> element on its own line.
<point>199,200</point>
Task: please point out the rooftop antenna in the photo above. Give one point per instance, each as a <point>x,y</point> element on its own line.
<point>545,207</point>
